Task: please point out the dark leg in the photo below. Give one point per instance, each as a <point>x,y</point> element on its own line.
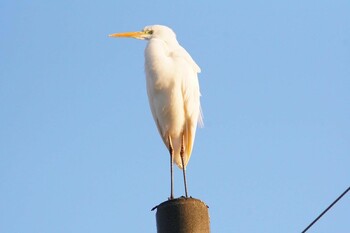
<point>182,154</point>
<point>171,152</point>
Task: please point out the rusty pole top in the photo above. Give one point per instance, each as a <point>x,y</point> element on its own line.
<point>183,215</point>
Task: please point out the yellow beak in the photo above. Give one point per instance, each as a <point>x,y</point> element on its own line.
<point>136,35</point>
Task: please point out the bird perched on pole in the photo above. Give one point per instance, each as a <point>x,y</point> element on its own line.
<point>173,93</point>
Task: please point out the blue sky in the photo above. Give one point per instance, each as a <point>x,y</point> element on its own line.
<point>79,151</point>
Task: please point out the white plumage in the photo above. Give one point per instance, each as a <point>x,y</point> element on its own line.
<point>173,90</point>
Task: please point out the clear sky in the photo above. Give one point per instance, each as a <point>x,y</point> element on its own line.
<point>79,151</point>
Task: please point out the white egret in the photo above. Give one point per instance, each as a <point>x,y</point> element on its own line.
<point>173,92</point>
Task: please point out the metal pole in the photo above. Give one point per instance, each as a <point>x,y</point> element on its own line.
<point>183,215</point>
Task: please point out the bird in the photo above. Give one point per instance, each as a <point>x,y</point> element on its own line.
<point>173,93</point>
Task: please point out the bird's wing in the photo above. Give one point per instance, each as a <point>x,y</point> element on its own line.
<point>185,55</point>
<point>190,85</point>
<point>191,97</point>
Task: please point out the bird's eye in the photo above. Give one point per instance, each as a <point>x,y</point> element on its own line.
<point>150,32</point>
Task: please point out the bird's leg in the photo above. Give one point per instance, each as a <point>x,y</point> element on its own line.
<point>182,154</point>
<point>171,152</point>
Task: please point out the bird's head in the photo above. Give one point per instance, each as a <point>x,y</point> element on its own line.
<point>149,32</point>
